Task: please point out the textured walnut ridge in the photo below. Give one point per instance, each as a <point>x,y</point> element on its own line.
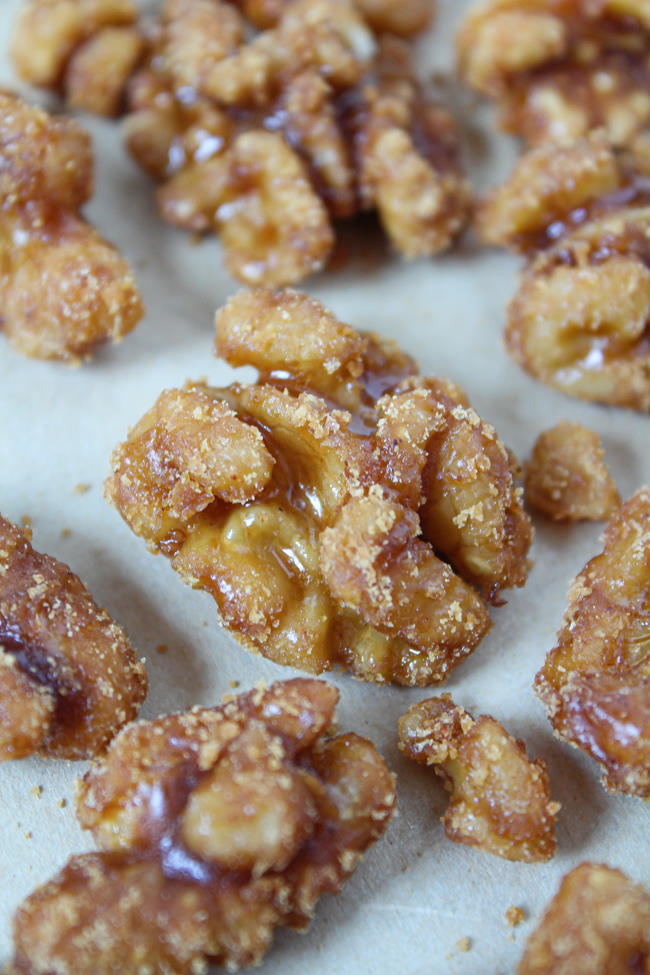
<point>595,683</point>
<point>598,923</point>
<point>69,679</point>
<point>216,826</point>
<point>559,69</point>
<point>341,510</point>
<point>580,320</point>
<point>500,799</point>
<point>63,289</point>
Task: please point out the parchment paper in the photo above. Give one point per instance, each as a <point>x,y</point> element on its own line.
<point>417,893</point>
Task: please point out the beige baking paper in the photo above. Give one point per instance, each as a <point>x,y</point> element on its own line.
<point>417,894</point>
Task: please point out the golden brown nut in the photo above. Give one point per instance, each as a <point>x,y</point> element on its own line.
<point>561,68</point>
<point>218,826</point>
<point>579,321</point>
<point>69,679</point>
<point>500,799</point>
<point>598,923</point>
<point>63,289</point>
<point>595,683</point>
<point>567,478</point>
<point>401,17</point>
<point>316,504</point>
<point>268,141</point>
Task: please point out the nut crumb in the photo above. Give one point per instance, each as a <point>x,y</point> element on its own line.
<point>162,648</point>
<point>37,791</point>
<point>464,944</point>
<point>82,488</point>
<point>514,916</point>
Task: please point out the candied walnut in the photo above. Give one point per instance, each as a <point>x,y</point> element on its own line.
<point>69,679</point>
<point>500,799</point>
<point>595,683</point>
<point>340,510</point>
<point>217,826</point>
<point>63,289</point>
<point>558,69</point>
<point>580,320</point>
<point>86,50</point>
<point>269,140</point>
<point>598,923</point>
<point>401,17</point>
<point>567,478</point>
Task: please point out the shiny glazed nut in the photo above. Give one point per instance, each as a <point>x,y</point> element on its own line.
<point>340,510</point>
<point>69,679</point>
<point>217,826</point>
<point>63,289</point>
<point>567,478</point>
<point>561,68</point>
<point>580,320</point>
<point>595,683</point>
<point>500,799</point>
<point>598,923</point>
<point>401,17</point>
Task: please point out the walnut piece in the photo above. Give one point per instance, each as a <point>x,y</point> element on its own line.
<point>268,139</point>
<point>580,320</point>
<point>595,683</point>
<point>559,69</point>
<point>69,679</point>
<point>598,923</point>
<point>500,799</point>
<point>63,289</point>
<point>340,510</point>
<point>216,826</point>
<point>567,478</point>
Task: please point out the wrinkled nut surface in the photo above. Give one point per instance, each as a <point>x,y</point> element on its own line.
<point>500,799</point>
<point>69,679</point>
<point>217,826</point>
<point>580,320</point>
<point>567,478</point>
<point>268,139</point>
<point>559,69</point>
<point>595,683</point>
<point>340,510</point>
<point>598,923</point>
<point>63,289</point>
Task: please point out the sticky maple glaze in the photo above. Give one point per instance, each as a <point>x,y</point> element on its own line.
<point>386,507</point>
<point>217,826</point>
<point>69,679</point>
<point>595,682</point>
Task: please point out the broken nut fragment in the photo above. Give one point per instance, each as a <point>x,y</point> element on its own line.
<point>567,478</point>
<point>69,679</point>
<point>216,826</point>
<point>500,799</point>
<point>63,289</point>
<point>595,683</point>
<point>598,923</point>
<point>559,69</point>
<point>579,322</point>
<point>340,510</point>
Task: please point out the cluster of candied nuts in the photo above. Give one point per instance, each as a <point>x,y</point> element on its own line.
<point>561,68</point>
<point>580,321</point>
<point>500,799</point>
<point>69,679</point>
<point>341,509</point>
<point>216,827</point>
<point>63,289</point>
<point>595,683</point>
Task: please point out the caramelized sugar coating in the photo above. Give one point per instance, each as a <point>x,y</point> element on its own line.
<point>63,289</point>
<point>581,317</point>
<point>567,478</point>
<point>340,510</point>
<point>401,17</point>
<point>500,798</point>
<point>268,140</point>
<point>598,923</point>
<point>558,69</point>
<point>69,679</point>
<point>86,50</point>
<point>217,826</point>
<point>595,683</point>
